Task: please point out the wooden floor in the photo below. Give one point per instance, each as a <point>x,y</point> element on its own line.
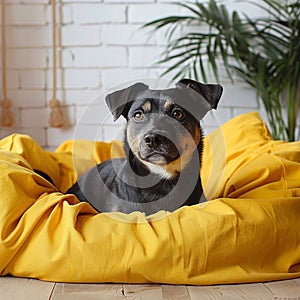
<point>21,289</point>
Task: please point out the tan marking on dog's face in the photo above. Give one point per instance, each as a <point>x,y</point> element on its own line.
<point>198,134</point>
<point>168,104</point>
<point>188,145</point>
<point>133,141</point>
<point>146,107</point>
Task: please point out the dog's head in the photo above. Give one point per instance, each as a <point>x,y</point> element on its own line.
<point>163,126</point>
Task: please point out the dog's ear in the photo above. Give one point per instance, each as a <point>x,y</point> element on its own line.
<point>119,102</point>
<point>211,92</point>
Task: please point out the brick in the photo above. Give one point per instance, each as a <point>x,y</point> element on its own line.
<point>249,8</point>
<point>80,96</point>
<point>23,37</point>
<point>91,114</point>
<point>34,117</point>
<point>127,35</point>
<point>66,14</point>
<point>80,35</point>
<point>157,72</point>
<point>26,58</point>
<point>114,77</point>
<point>34,79</point>
<point>82,78</point>
<point>87,132</point>
<point>238,96</point>
<point>144,56</point>
<point>217,117</point>
<point>100,57</point>
<point>97,14</point>
<point>39,117</point>
<point>31,98</point>
<point>26,15</point>
<point>144,13</point>
<point>12,79</point>
<point>56,136</point>
<point>67,57</point>
<point>96,112</point>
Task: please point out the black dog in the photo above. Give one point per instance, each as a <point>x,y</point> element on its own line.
<point>163,146</point>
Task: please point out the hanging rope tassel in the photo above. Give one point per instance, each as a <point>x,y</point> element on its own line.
<point>7,118</point>
<point>56,115</point>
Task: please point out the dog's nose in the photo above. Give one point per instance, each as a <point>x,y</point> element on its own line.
<point>152,140</point>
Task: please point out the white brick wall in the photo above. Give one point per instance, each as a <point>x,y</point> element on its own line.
<point>100,46</point>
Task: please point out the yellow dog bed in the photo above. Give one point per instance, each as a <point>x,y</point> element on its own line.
<point>249,232</point>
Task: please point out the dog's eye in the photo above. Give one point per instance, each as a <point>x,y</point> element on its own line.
<point>178,114</point>
<point>138,115</point>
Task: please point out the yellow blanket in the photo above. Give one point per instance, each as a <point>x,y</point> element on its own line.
<point>249,232</point>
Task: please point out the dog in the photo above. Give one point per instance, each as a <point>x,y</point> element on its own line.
<point>163,144</point>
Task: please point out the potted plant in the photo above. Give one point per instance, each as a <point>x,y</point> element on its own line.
<point>264,51</point>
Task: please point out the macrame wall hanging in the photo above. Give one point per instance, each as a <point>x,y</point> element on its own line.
<point>56,115</point>
<point>6,118</point>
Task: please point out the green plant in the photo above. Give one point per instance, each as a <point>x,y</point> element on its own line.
<point>264,51</point>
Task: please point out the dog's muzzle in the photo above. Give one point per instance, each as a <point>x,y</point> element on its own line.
<point>158,149</point>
